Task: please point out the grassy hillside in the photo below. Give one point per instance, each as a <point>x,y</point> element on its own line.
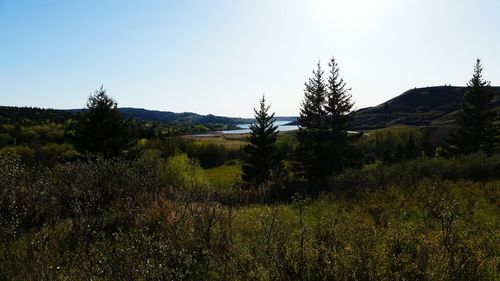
<point>431,106</point>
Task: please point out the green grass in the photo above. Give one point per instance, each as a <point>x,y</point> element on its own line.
<point>224,175</point>
<point>230,142</point>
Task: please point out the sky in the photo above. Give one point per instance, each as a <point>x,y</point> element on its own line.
<point>221,56</point>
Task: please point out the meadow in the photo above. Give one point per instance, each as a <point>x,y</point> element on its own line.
<point>157,219</point>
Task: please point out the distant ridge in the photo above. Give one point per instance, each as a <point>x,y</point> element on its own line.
<point>17,114</point>
<point>179,118</point>
<point>430,106</point>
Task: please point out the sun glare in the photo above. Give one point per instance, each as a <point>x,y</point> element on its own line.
<point>347,12</point>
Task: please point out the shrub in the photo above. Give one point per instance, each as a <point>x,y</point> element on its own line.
<point>26,153</point>
<point>477,167</point>
<point>209,154</point>
<point>113,219</point>
<point>182,172</point>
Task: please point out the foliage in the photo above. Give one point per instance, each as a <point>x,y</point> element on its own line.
<point>312,127</point>
<point>339,117</point>
<point>52,153</point>
<point>110,219</point>
<point>24,152</point>
<point>395,144</point>
<point>477,122</point>
<point>103,129</point>
<point>182,172</point>
<point>477,167</point>
<point>209,154</point>
<point>261,157</point>
<point>324,122</point>
<point>11,114</point>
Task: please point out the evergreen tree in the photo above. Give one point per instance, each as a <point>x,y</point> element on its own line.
<point>312,128</point>
<point>477,126</point>
<point>103,129</point>
<point>261,152</point>
<point>339,117</point>
<point>325,145</point>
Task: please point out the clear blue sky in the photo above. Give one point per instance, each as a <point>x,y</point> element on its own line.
<point>220,56</point>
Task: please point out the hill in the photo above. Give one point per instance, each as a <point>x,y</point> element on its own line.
<point>188,117</point>
<point>179,118</point>
<point>430,106</point>
<point>13,114</point>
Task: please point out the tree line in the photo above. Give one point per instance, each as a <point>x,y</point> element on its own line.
<point>326,143</point>
<point>325,124</point>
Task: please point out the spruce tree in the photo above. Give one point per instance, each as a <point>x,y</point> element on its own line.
<point>261,156</point>
<point>312,128</point>
<point>103,129</point>
<point>339,117</point>
<point>325,145</point>
<point>477,126</point>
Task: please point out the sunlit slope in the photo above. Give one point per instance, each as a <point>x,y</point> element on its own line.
<point>431,106</point>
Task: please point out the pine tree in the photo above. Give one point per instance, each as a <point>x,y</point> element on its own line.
<point>325,145</point>
<point>312,128</point>
<point>103,129</point>
<point>477,126</point>
<point>339,117</point>
<point>262,157</point>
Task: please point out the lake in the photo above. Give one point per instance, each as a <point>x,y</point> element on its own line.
<point>282,127</point>
<point>245,128</point>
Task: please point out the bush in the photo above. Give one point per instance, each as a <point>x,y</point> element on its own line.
<point>209,154</point>
<point>182,172</point>
<point>53,153</point>
<point>115,219</point>
<point>477,167</point>
<point>26,154</point>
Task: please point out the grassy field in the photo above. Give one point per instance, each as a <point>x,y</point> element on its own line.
<point>224,175</point>
<point>231,142</point>
<point>230,172</point>
<point>235,141</point>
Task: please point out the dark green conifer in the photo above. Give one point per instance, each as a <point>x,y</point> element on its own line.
<point>339,117</point>
<point>312,127</point>
<point>261,158</point>
<point>103,129</point>
<point>324,123</point>
<point>477,127</point>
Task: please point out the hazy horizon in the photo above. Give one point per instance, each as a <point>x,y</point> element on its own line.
<point>219,57</point>
<point>235,116</point>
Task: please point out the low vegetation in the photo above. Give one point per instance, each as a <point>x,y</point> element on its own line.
<point>154,219</point>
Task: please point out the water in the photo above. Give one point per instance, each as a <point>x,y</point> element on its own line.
<point>245,129</point>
